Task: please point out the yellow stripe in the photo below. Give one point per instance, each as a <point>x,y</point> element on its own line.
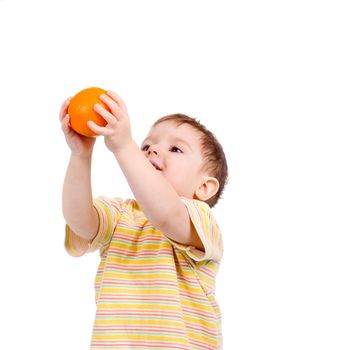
<point>151,322</point>
<point>145,337</point>
<point>145,306</point>
<point>123,290</point>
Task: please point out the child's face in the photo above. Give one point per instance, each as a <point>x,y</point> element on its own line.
<point>176,151</point>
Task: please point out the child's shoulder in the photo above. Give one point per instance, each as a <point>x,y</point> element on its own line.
<point>196,204</point>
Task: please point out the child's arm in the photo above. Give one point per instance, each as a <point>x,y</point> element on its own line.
<point>159,201</point>
<point>77,201</point>
<point>157,198</point>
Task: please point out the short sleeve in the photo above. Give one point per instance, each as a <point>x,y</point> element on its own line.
<point>207,228</point>
<point>109,211</point>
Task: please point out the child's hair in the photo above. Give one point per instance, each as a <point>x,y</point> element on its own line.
<point>214,157</point>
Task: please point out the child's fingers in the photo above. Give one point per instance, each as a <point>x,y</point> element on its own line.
<point>64,108</point>
<point>117,99</point>
<point>99,130</point>
<point>65,123</point>
<point>112,105</point>
<point>110,118</point>
<point>116,109</point>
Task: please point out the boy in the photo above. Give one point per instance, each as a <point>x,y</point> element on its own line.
<point>160,252</point>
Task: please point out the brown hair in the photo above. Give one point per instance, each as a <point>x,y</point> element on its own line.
<point>214,157</point>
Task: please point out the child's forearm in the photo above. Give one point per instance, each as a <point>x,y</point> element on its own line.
<point>77,200</point>
<point>157,198</point>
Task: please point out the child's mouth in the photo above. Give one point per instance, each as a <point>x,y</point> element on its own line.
<point>156,166</point>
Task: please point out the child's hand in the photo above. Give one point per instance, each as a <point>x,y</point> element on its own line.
<point>80,145</point>
<point>117,132</point>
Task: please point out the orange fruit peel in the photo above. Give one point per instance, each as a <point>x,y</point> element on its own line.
<point>81,110</point>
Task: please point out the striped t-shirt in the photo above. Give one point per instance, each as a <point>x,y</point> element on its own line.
<point>151,292</point>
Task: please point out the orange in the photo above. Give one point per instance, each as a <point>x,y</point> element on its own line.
<point>81,110</point>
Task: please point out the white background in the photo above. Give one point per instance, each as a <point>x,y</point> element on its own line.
<point>265,76</point>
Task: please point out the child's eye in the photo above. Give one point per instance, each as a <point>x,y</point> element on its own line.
<point>175,149</point>
<point>145,148</point>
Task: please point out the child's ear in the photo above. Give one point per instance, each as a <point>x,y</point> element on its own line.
<point>207,189</point>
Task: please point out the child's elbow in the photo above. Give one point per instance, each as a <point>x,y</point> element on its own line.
<point>88,229</point>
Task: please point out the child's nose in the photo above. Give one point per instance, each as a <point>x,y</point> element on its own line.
<point>154,149</point>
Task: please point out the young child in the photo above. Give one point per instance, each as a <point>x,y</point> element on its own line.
<point>160,252</point>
